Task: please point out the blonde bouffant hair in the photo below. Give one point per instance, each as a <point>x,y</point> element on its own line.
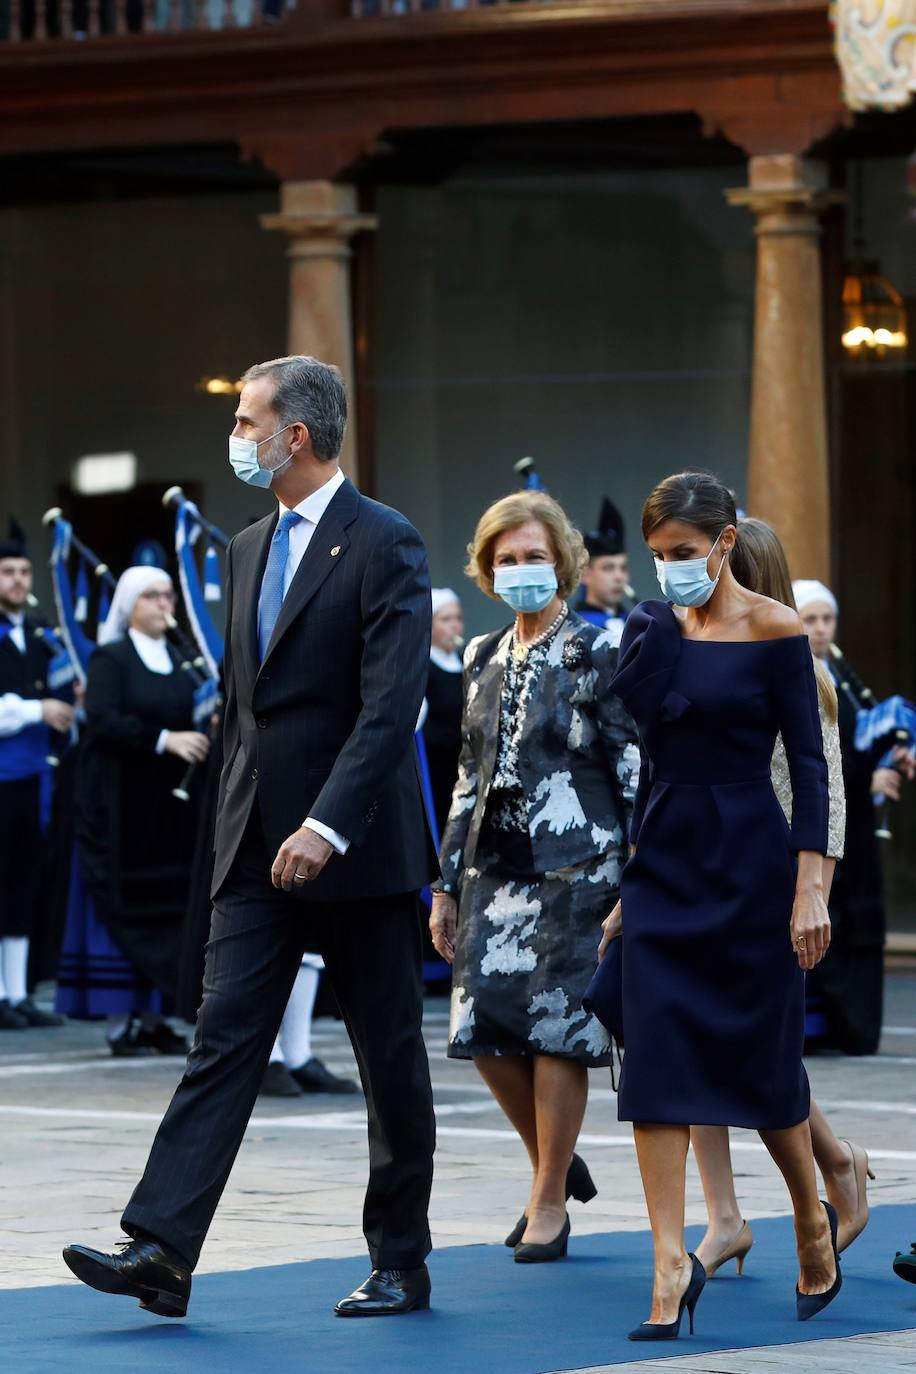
<point>518,509</point>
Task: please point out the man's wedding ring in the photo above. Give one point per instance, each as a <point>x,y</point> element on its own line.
<point>300,878</point>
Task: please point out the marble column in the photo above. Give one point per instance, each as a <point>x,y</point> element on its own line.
<point>788,471</point>
<point>319,219</point>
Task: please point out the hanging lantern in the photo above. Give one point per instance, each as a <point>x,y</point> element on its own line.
<point>874,314</point>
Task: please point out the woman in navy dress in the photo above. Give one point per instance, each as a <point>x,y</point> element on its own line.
<point>721,904</point>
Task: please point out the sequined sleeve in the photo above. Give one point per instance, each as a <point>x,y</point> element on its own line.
<point>782,785</point>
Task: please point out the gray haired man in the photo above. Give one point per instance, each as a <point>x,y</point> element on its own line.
<point>321,843</point>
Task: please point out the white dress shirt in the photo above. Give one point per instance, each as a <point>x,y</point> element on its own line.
<point>17,712</point>
<point>311,510</point>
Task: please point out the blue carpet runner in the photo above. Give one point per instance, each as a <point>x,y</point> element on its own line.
<point>489,1314</point>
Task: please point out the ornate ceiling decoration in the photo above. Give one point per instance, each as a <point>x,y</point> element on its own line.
<point>876,50</point>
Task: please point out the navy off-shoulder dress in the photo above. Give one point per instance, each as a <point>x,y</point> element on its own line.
<point>713,998</point>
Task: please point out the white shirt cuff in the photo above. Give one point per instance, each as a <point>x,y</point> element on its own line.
<point>160,742</point>
<point>336,841</point>
<point>16,713</point>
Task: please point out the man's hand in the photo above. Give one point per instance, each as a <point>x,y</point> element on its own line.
<point>299,859</point>
<point>57,714</point>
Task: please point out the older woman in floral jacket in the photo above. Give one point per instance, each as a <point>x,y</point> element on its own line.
<point>533,848</point>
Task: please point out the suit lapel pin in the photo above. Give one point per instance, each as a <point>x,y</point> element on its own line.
<point>335,551</point>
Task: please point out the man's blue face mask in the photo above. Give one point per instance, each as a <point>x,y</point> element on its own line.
<point>243,456</point>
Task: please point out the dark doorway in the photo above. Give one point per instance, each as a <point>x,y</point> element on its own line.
<point>114,524</point>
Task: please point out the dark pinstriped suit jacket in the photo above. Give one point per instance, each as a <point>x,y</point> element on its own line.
<point>324,727</point>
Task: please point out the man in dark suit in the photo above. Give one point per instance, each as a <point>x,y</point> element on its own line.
<point>321,843</point>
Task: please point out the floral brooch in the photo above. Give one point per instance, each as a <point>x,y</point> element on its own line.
<point>575,653</point>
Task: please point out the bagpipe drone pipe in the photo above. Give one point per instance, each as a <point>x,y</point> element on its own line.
<point>83,585</point>
<point>201,582</point>
<point>882,727</point>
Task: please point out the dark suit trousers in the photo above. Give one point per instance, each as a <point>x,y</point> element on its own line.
<point>372,952</point>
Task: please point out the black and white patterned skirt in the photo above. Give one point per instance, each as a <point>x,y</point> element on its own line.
<point>526,950</point>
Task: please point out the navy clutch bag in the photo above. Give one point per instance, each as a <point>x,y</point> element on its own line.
<point>604,994</point>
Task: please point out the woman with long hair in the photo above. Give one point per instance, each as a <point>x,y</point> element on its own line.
<point>758,562</point>
<point>722,904</point>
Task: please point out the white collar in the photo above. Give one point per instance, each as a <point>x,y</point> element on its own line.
<point>315,505</point>
<point>154,653</point>
<point>449,663</point>
<point>16,618</point>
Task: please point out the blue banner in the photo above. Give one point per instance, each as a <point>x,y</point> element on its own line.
<point>209,640</point>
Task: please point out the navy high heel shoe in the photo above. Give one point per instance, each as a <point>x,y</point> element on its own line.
<point>807,1305</point>
<point>669,1331</point>
<point>579,1184</point>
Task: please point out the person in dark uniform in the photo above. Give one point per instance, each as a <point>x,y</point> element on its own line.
<point>136,839</point>
<point>850,981</point>
<point>442,726</point>
<point>28,715</point>
<point>606,587</point>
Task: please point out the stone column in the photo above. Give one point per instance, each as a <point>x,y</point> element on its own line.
<point>319,219</point>
<point>788,473</point>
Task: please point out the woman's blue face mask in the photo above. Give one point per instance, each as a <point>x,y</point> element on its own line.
<point>526,587</point>
<point>687,582</point>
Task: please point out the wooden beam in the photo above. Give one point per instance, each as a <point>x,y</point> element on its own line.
<point>314,92</point>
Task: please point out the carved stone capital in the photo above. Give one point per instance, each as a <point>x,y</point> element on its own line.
<point>788,194</point>
<point>319,218</point>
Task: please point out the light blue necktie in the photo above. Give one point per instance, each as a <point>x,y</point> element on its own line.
<point>271,598</point>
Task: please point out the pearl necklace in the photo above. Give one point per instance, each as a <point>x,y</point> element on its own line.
<point>520,651</point>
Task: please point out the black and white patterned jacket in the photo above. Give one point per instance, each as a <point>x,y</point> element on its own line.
<point>578,758</point>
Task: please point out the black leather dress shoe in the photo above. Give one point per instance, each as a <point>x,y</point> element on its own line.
<point>10,1018</point>
<point>315,1077</point>
<point>278,1082</point>
<point>35,1016</point>
<point>163,1038</point>
<point>130,1040</point>
<point>142,1269</point>
<point>387,1292</point>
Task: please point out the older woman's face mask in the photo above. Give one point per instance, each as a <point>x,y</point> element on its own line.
<point>527,587</point>
<point>524,568</point>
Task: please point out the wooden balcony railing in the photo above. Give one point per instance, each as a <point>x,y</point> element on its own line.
<point>373,9</point>
<point>41,21</point>
<point>74,20</point>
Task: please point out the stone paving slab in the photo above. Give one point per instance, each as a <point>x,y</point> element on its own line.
<point>881,1354</point>
<point>76,1125</point>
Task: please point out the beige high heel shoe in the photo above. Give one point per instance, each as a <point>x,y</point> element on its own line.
<point>738,1250</point>
<point>848,1232</point>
